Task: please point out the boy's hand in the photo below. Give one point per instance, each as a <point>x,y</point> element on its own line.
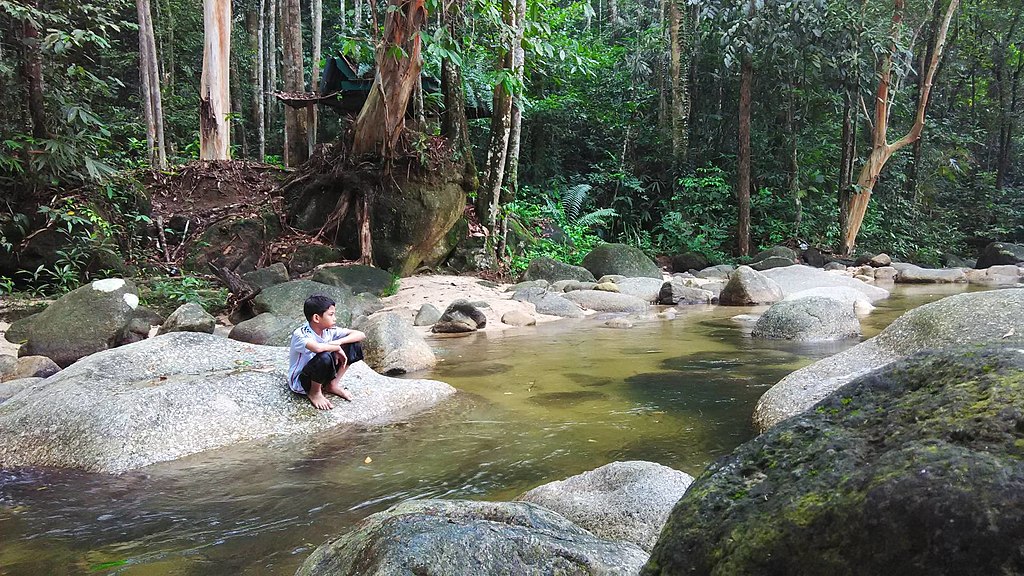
<point>341,357</point>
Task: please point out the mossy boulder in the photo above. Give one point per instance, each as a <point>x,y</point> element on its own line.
<point>914,469</point>
<point>998,253</point>
<point>621,259</point>
<point>308,256</point>
<point>285,300</point>
<point>357,278</point>
<point>545,268</point>
<point>460,537</point>
<point>689,261</point>
<point>276,273</point>
<point>86,320</point>
<point>808,319</point>
<point>233,243</point>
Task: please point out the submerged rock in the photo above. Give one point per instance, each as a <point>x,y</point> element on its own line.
<point>619,501</point>
<point>469,538</point>
<point>913,469</point>
<point>964,318</point>
<point>182,393</point>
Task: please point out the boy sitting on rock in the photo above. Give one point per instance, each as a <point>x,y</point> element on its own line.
<point>320,353</point>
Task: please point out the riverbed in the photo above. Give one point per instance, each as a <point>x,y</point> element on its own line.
<point>537,404</point>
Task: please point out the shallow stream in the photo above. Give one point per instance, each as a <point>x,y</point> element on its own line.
<point>538,404</point>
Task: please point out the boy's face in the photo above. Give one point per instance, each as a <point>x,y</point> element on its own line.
<point>325,320</point>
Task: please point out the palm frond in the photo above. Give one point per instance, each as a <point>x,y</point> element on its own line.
<point>573,199</point>
<point>595,218</point>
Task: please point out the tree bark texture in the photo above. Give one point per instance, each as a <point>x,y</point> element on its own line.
<point>382,118</point>
<point>295,123</point>
<point>149,80</point>
<point>318,25</point>
<point>214,92</point>
<point>271,51</point>
<point>679,66</point>
<point>32,71</point>
<point>258,80</point>
<point>856,204</point>
<point>743,156</point>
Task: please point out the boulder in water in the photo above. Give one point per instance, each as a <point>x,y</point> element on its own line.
<point>461,537</point>
<point>914,469</point>
<point>183,393</point>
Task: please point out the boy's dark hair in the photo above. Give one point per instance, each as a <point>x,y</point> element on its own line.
<point>316,304</point>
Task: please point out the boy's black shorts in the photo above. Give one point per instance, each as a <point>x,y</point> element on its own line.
<point>322,368</point>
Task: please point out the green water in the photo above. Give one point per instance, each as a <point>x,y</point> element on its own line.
<point>537,404</point>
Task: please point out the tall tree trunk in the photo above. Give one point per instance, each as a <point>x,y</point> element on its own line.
<point>295,124</point>
<point>847,155</point>
<point>149,78</point>
<point>214,95</point>
<point>855,207</point>
<point>32,71</point>
<point>271,86</point>
<point>238,136</point>
<point>793,173</point>
<point>681,45</point>
<point>917,149</point>
<point>510,185</point>
<point>743,156</point>
<point>455,125</point>
<point>342,16</point>
<point>318,24</point>
<point>357,17</point>
<point>258,78</point>
<point>382,118</point>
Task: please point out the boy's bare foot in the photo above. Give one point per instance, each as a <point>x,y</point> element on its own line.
<point>337,389</point>
<point>318,399</point>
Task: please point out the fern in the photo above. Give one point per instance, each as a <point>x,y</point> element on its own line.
<point>573,200</point>
<point>595,218</point>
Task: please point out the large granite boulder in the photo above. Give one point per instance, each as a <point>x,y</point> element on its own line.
<point>392,346</point>
<point>11,388</point>
<point>911,274</point>
<point>276,273</point>
<point>646,289</point>
<point>460,316</point>
<point>182,393</point>
<point>602,301</point>
<point>470,538</point>
<point>678,292</point>
<point>89,319</point>
<point>627,501</point>
<point>796,278</point>
<point>549,302</point>
<point>357,278</point>
<point>997,253</point>
<point>545,268</point>
<point>620,259</point>
<point>749,287</point>
<point>846,295</point>
<point>189,317</point>
<point>808,319</point>
<point>285,300</point>
<point>914,469</point>
<point>689,261</point>
<point>999,275</point>
<point>964,318</point>
<point>267,329</point>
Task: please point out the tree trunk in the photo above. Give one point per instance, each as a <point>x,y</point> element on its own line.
<point>743,156</point>
<point>32,70</point>
<point>342,16</point>
<point>511,179</point>
<point>847,154</point>
<point>214,96</point>
<point>357,17</point>
<point>793,176</point>
<point>856,206</point>
<point>680,39</point>
<point>149,78</point>
<point>295,124</point>
<point>258,81</point>
<point>271,86</point>
<point>318,24</point>
<point>238,136</point>
<point>382,117</point>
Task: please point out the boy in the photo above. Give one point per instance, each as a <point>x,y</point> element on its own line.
<point>320,353</point>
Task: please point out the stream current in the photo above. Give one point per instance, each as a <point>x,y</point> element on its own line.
<point>537,404</point>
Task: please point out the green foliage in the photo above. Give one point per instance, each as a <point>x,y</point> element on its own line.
<point>166,294</point>
<point>699,217</point>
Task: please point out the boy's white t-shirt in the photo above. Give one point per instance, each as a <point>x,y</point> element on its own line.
<point>299,355</point>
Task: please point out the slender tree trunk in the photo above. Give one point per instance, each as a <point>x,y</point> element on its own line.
<point>149,78</point>
<point>342,16</point>
<point>295,123</point>
<point>271,87</point>
<point>511,178</point>
<point>214,95</point>
<point>743,156</point>
<point>32,71</point>
<point>238,136</point>
<point>680,38</point>
<point>793,175</point>
<point>318,24</point>
<point>455,125</point>
<point>258,79</point>
<point>382,118</point>
<point>847,155</point>
<point>917,148</point>
<point>357,17</point>
<point>881,150</point>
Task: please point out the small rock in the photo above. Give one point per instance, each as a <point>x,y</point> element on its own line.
<point>518,318</point>
<point>460,316</point>
<point>620,323</point>
<point>606,287</point>
<point>189,317</point>
<point>33,367</point>
<point>427,315</point>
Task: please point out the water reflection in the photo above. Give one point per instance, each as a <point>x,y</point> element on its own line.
<point>537,404</point>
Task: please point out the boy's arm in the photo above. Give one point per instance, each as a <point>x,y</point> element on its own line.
<point>318,347</point>
<point>352,337</point>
